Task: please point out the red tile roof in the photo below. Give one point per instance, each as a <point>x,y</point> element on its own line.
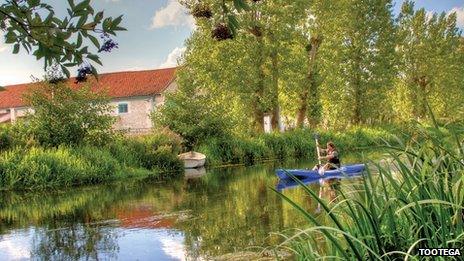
<point>118,84</point>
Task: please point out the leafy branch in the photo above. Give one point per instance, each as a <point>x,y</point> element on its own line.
<point>32,25</point>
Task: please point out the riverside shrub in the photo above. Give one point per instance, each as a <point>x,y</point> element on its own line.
<point>65,116</point>
<point>63,166</point>
<point>39,167</point>
<point>292,144</point>
<point>157,151</point>
<point>5,140</point>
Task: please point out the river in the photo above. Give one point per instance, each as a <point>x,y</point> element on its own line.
<point>223,214</point>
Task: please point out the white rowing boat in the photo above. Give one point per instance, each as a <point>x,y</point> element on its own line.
<point>192,159</point>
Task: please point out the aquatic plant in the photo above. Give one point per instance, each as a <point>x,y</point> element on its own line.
<point>416,202</point>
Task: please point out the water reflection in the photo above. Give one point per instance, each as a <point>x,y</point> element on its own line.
<point>199,217</point>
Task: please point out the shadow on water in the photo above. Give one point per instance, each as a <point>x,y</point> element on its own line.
<point>201,216</point>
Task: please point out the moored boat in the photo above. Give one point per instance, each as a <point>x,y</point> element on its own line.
<point>192,159</point>
<point>346,170</point>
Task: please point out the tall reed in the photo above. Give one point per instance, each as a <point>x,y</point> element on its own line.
<point>415,202</point>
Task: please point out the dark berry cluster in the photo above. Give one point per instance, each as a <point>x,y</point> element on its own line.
<point>108,44</point>
<point>222,32</point>
<point>82,73</point>
<point>202,11</point>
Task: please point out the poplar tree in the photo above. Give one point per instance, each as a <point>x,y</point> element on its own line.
<point>431,64</point>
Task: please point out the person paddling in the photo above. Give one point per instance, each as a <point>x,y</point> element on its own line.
<point>331,155</point>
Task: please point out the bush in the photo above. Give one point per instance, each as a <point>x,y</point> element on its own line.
<point>64,116</point>
<point>157,152</point>
<point>24,164</point>
<point>103,164</point>
<point>127,151</point>
<point>40,167</point>
<point>163,160</point>
<point>5,137</point>
<point>64,166</point>
<point>163,138</point>
<point>291,144</point>
<point>194,115</point>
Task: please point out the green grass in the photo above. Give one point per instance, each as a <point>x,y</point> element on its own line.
<point>417,202</point>
<point>292,144</point>
<point>38,167</point>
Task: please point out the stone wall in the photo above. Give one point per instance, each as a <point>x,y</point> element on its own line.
<point>137,116</point>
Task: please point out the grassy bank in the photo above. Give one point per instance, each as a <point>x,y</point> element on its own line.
<point>416,203</point>
<point>26,165</point>
<point>293,144</point>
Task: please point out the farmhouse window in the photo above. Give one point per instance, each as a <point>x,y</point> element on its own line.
<point>123,108</point>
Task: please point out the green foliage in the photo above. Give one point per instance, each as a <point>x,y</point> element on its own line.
<point>367,67</point>
<point>430,63</point>
<point>358,74</point>
<point>163,159</point>
<point>25,165</point>
<point>38,167</point>
<point>74,166</point>
<point>157,152</point>
<point>193,114</point>
<point>416,202</point>
<point>5,139</point>
<point>293,144</point>
<point>15,135</point>
<point>66,116</point>
<point>35,27</point>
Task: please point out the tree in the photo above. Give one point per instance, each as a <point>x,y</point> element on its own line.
<point>251,70</point>
<point>430,63</point>
<point>193,113</point>
<point>63,115</point>
<point>355,64</point>
<point>34,26</point>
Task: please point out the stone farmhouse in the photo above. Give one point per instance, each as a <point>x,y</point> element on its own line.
<point>134,96</point>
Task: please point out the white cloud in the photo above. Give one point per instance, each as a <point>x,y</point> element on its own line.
<point>173,57</point>
<point>460,15</point>
<point>173,248</point>
<point>173,14</point>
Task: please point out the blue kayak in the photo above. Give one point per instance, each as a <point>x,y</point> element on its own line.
<point>290,183</point>
<point>346,170</point>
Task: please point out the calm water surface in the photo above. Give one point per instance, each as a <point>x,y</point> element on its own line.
<point>225,213</point>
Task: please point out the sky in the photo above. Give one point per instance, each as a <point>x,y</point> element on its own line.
<point>157,30</point>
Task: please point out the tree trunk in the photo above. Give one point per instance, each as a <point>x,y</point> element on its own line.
<point>358,102</point>
<point>357,118</point>
<point>315,43</point>
<point>275,121</point>
<point>423,82</point>
<point>258,110</point>
<point>314,107</point>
